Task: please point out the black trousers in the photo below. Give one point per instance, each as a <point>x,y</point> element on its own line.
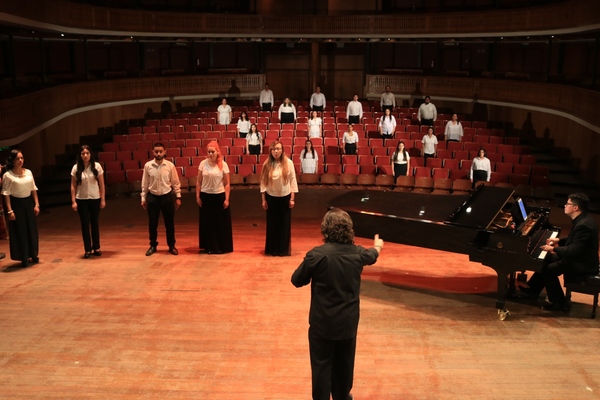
<point>254,149</point>
<point>332,365</point>
<point>156,205</point>
<point>317,108</point>
<point>350,148</point>
<point>427,122</point>
<point>390,107</point>
<point>279,226</point>
<point>266,106</point>
<point>426,156</point>
<point>23,232</point>
<point>89,212</point>
<point>399,170</point>
<point>479,175</point>
<point>548,278</point>
<point>353,119</point>
<point>287,117</point>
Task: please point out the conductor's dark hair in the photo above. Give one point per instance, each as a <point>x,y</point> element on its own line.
<point>336,227</point>
<point>580,200</point>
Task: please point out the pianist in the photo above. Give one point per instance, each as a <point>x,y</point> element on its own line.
<point>333,270</point>
<point>575,257</point>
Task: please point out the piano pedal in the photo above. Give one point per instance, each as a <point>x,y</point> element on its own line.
<point>522,277</point>
<point>502,314</point>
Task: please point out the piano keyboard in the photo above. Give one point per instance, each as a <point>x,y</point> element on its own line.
<point>544,253</point>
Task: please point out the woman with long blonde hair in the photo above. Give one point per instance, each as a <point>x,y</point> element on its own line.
<point>212,196</point>
<point>278,187</point>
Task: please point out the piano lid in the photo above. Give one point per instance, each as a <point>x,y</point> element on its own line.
<point>477,210</point>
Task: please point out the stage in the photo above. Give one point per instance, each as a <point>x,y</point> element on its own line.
<point>199,326</point>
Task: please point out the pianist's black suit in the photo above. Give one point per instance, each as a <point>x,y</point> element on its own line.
<point>576,258</point>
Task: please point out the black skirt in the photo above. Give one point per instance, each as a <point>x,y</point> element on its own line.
<point>350,148</point>
<point>287,117</point>
<point>400,169</point>
<point>23,232</point>
<point>279,226</point>
<point>215,222</point>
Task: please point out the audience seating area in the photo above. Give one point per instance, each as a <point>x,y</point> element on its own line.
<point>186,136</point>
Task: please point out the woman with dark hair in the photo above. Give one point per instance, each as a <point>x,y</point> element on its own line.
<point>333,271</point>
<point>243,125</point>
<point>481,168</point>
<point>315,126</point>
<point>87,198</point>
<point>212,196</point>
<point>22,206</point>
<point>309,158</point>
<point>287,111</point>
<point>387,125</point>
<point>350,141</point>
<point>278,188</point>
<point>400,161</point>
<point>254,141</point>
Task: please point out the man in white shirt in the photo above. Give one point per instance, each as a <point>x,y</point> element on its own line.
<point>388,101</point>
<point>317,100</point>
<point>160,185</point>
<point>266,98</point>
<point>427,113</point>
<point>354,111</point>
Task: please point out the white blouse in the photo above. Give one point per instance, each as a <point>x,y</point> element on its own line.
<point>277,187</point>
<point>89,188</point>
<point>212,177</point>
<point>19,186</point>
<point>243,126</point>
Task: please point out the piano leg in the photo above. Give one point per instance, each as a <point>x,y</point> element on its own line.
<point>501,302</point>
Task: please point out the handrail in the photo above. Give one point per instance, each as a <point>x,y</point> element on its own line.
<point>69,17</point>
<point>26,113</point>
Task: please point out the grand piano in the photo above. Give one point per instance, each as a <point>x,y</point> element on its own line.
<point>489,225</point>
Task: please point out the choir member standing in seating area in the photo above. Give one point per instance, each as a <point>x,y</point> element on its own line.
<point>334,272</point>
<point>317,100</point>
<point>400,161</point>
<point>454,130</point>
<point>309,158</point>
<point>161,193</point>
<point>212,196</point>
<point>225,113</point>
<point>388,100</point>
<point>266,98</point>
<point>315,126</point>
<point>278,187</point>
<point>22,206</point>
<point>254,141</point>
<point>481,168</point>
<point>354,111</point>
<point>287,112</point>
<point>427,113</point>
<point>430,144</point>
<point>243,125</point>
<point>387,125</point>
<point>350,141</point>
<point>88,198</point>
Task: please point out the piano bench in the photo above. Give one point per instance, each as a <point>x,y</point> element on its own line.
<point>590,286</point>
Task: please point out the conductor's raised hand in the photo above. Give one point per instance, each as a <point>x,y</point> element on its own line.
<point>377,243</point>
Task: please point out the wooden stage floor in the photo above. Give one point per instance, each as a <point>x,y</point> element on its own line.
<point>198,326</point>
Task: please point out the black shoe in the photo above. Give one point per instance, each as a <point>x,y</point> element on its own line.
<point>527,292</point>
<point>554,307</point>
<point>25,264</point>
<point>87,254</point>
<point>35,260</point>
<point>97,252</point>
<point>173,250</point>
<point>151,251</point>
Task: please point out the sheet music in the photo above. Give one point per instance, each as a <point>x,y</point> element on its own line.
<point>543,253</point>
